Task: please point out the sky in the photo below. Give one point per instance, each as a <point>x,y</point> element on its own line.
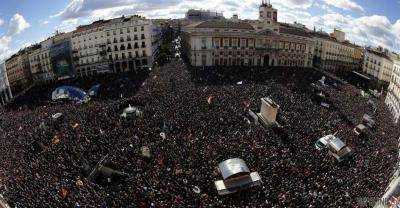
<point>366,22</point>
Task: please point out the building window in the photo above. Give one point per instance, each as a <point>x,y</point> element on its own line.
<point>142,28</point>
<point>226,42</point>
<point>242,42</point>
<point>203,43</point>
<point>216,43</point>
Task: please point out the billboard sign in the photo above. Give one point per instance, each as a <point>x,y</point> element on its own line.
<point>61,60</point>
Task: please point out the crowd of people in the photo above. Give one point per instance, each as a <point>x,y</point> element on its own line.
<point>193,119</point>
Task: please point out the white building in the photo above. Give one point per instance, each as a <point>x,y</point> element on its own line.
<point>393,95</point>
<point>89,49</point>
<point>378,64</point>
<point>132,43</point>
<point>339,35</point>
<point>117,45</point>
<point>263,42</point>
<point>334,53</point>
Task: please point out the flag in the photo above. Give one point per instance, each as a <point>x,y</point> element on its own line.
<point>75,125</point>
<point>56,139</point>
<point>162,134</point>
<point>63,192</point>
<point>79,183</point>
<point>209,99</point>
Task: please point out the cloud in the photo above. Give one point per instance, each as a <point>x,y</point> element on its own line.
<point>373,30</point>
<point>17,25</point>
<point>366,30</point>
<point>345,5</point>
<point>5,50</point>
<point>67,25</point>
<point>84,8</point>
<point>1,22</point>
<point>293,3</point>
<point>44,23</point>
<point>95,9</point>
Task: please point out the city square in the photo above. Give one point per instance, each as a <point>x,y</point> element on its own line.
<point>199,111</point>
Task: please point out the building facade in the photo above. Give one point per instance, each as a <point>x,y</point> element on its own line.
<point>378,64</point>
<point>5,91</point>
<point>89,49</point>
<point>334,55</point>
<point>263,42</point>
<point>118,45</point>
<point>61,56</point>
<point>130,43</point>
<point>40,61</point>
<point>339,35</point>
<point>393,95</point>
<point>18,70</point>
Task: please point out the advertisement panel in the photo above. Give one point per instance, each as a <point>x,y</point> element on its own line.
<point>61,60</point>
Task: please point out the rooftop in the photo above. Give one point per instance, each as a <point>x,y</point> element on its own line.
<point>225,24</point>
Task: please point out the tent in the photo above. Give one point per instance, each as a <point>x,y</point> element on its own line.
<point>69,93</point>
<point>94,90</point>
<point>131,112</point>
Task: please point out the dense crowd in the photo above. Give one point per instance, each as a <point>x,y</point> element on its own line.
<point>203,114</point>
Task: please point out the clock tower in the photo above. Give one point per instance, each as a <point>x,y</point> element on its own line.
<point>268,13</point>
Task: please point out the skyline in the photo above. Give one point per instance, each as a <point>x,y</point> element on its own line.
<point>367,22</point>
